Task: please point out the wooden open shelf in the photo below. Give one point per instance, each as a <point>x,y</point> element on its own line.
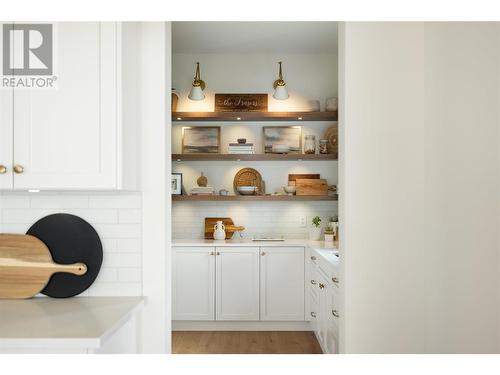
<point>253,157</point>
<point>185,198</point>
<point>253,116</point>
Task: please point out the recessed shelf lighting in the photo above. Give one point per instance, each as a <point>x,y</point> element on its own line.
<point>178,159</point>
<point>238,118</point>
<point>299,118</point>
<point>179,118</point>
<point>33,191</point>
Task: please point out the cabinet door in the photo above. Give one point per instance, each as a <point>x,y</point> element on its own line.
<point>282,283</point>
<point>67,137</point>
<point>332,330</point>
<point>6,123</point>
<point>237,279</point>
<point>193,286</point>
<point>323,310</point>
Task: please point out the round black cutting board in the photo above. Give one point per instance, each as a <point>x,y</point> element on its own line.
<point>70,239</point>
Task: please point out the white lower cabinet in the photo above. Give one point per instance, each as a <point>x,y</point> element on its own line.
<point>282,283</point>
<point>237,283</point>
<point>324,304</point>
<point>193,286</point>
<point>240,283</point>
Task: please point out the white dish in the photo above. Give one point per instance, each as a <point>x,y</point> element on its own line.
<point>247,190</point>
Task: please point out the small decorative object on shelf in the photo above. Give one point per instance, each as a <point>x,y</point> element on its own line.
<point>176,183</point>
<point>315,230</point>
<point>175,100</point>
<point>323,146</point>
<point>290,136</point>
<point>241,148</point>
<point>223,192</point>
<point>313,106</point>
<point>201,140</point>
<point>248,177</point>
<point>241,141</point>
<point>290,190</point>
<point>241,102</point>
<point>202,190</point>
<point>332,134</point>
<point>202,180</point>
<point>329,235</point>
<point>331,104</point>
<point>310,144</point>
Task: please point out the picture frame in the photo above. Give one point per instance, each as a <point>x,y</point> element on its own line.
<point>290,136</point>
<point>176,183</point>
<point>201,140</point>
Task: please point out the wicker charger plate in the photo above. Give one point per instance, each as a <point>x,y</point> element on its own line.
<point>332,134</point>
<point>248,177</point>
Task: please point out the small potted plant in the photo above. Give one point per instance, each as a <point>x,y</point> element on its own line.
<point>315,230</point>
<point>329,233</point>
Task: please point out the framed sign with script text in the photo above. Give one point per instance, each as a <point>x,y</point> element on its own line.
<point>240,102</point>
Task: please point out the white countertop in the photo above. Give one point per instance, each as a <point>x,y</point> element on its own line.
<point>328,253</point>
<point>74,322</point>
<point>249,242</point>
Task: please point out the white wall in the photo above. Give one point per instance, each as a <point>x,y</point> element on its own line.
<point>419,177</point>
<point>461,187</point>
<point>381,207</point>
<point>308,76</point>
<point>116,218</point>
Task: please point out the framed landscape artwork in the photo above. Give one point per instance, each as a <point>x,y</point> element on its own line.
<point>201,140</point>
<point>176,183</point>
<point>290,136</point>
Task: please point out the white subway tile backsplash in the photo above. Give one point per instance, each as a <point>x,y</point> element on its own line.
<point>272,218</point>
<point>116,217</point>
<point>129,216</point>
<point>115,201</point>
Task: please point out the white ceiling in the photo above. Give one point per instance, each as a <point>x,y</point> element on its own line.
<point>262,37</point>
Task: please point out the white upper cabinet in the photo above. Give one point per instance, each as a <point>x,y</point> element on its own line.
<point>193,288</point>
<point>67,137</point>
<point>6,123</point>
<point>282,283</point>
<point>237,283</point>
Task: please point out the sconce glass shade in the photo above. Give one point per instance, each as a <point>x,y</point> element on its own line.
<point>196,93</point>
<point>281,93</point>
<point>280,90</point>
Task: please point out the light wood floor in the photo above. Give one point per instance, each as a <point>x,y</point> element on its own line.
<point>244,342</point>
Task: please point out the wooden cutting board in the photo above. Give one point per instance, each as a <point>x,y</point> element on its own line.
<point>26,266</point>
<point>228,223</point>
<point>311,187</point>
<point>294,177</point>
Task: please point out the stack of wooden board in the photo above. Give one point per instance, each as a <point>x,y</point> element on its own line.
<point>308,184</point>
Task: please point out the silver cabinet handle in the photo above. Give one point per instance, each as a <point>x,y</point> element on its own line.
<point>335,313</point>
<point>335,280</point>
<point>313,314</point>
<point>313,282</point>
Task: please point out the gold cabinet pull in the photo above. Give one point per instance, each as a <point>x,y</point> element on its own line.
<point>335,280</point>
<point>313,282</point>
<point>3,169</point>
<point>321,286</point>
<point>212,253</point>
<point>263,253</point>
<point>18,168</point>
<point>313,314</point>
<point>217,253</point>
<point>313,257</point>
<point>335,313</point>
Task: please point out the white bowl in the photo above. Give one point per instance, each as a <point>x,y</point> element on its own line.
<point>290,189</point>
<point>280,149</point>
<point>247,190</point>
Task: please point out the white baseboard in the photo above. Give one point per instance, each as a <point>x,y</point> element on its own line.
<point>211,325</point>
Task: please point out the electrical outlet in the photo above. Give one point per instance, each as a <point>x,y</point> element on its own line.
<point>303,221</point>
